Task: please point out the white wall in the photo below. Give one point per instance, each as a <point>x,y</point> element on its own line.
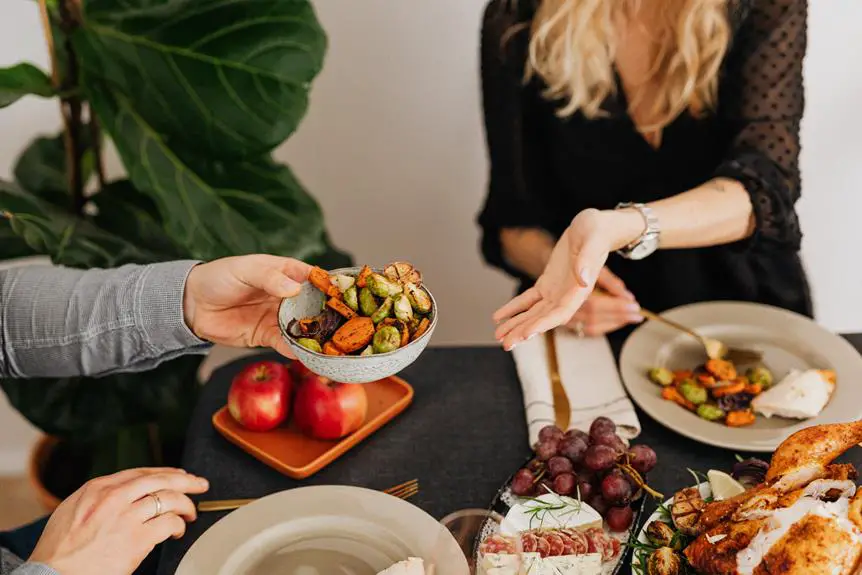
<point>394,131</point>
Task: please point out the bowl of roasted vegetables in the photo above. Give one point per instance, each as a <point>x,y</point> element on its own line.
<point>359,324</point>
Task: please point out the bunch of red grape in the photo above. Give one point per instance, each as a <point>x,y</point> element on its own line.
<point>597,467</point>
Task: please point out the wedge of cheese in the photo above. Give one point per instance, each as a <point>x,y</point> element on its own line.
<point>412,566</point>
<point>533,564</point>
<point>800,395</point>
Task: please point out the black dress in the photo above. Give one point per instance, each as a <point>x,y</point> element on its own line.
<point>544,170</point>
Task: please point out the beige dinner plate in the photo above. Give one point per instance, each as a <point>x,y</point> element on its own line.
<point>787,340</point>
<point>323,530</point>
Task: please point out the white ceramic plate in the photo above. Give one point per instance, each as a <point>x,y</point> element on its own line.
<point>323,530</point>
<point>788,341</point>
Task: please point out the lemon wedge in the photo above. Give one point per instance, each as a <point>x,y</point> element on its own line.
<point>723,485</point>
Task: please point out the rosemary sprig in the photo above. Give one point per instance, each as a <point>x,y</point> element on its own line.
<point>542,508</point>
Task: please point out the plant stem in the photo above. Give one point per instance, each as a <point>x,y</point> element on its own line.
<point>70,106</point>
<point>96,143</point>
<point>69,20</point>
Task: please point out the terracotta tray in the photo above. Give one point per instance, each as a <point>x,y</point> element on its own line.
<point>299,456</point>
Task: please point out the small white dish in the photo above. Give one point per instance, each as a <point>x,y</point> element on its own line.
<point>348,368</point>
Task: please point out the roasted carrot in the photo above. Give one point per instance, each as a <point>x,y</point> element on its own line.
<point>354,335</point>
<point>706,379</point>
<point>362,278</point>
<point>320,279</point>
<point>330,349</point>
<point>735,387</point>
<point>721,369</point>
<point>681,374</point>
<point>739,418</point>
<point>672,394</point>
<point>753,388</point>
<point>423,327</point>
<point>405,333</point>
<point>829,375</point>
<point>341,307</point>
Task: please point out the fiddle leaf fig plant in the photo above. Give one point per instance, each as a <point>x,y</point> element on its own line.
<point>194,95</point>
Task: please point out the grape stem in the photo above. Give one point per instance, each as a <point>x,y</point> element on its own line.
<point>639,480</point>
<point>539,476</point>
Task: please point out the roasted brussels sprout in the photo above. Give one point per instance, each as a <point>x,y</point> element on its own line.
<point>367,351</point>
<point>382,287</point>
<point>351,298</point>
<point>664,561</point>
<point>661,375</point>
<point>310,344</point>
<point>402,272</point>
<point>660,533</point>
<point>693,392</point>
<point>383,311</point>
<point>342,282</point>
<point>403,309</point>
<point>367,303</point>
<point>709,412</point>
<point>419,298</point>
<point>387,339</point>
<point>760,375</point>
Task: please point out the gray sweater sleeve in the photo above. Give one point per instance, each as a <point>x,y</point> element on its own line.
<point>12,565</point>
<point>60,322</point>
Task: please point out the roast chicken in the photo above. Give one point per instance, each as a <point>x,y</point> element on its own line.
<point>804,519</point>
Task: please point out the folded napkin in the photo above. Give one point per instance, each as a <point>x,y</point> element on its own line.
<point>589,375</point>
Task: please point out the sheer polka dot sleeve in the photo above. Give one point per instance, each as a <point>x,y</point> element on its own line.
<point>762,101</point>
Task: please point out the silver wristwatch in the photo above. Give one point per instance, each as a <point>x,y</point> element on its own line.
<point>647,243</point>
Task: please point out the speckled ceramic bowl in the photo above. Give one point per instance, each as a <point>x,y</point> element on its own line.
<point>348,368</point>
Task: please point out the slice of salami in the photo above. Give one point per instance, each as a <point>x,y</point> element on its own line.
<point>568,544</point>
<point>556,544</point>
<point>579,542</point>
<point>498,544</point>
<point>616,547</point>
<point>543,546</point>
<point>530,543</point>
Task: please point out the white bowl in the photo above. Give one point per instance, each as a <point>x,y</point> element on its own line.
<point>347,368</point>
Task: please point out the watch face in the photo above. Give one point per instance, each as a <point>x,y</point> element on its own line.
<point>644,248</point>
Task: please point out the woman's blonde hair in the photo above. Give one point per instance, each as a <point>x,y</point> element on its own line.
<point>573,46</point>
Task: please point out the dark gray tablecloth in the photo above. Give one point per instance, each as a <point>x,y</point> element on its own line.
<point>462,437</point>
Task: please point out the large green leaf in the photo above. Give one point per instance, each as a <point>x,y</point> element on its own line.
<point>212,209</point>
<point>23,80</point>
<point>68,240</point>
<point>89,408</point>
<point>228,78</point>
<point>41,168</point>
<point>127,213</point>
<point>11,244</point>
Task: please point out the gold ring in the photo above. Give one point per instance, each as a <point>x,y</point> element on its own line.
<point>158,505</point>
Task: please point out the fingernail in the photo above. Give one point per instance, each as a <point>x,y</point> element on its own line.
<point>531,336</point>
<point>585,276</point>
<point>636,318</point>
<point>633,307</point>
<point>630,295</point>
<point>290,287</point>
<point>203,482</point>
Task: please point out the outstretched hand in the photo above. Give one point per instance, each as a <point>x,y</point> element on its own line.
<point>568,280</point>
<point>234,301</point>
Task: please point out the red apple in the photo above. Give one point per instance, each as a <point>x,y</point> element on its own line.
<point>259,396</point>
<point>299,371</point>
<point>325,409</point>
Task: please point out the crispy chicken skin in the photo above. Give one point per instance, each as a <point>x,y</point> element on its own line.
<point>719,558</point>
<point>813,546</point>
<point>805,454</point>
<point>813,543</point>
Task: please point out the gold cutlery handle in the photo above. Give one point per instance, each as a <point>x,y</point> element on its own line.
<point>650,315</point>
<point>562,408</point>
<point>223,505</point>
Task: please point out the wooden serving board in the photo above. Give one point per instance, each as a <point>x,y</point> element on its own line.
<point>299,456</point>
